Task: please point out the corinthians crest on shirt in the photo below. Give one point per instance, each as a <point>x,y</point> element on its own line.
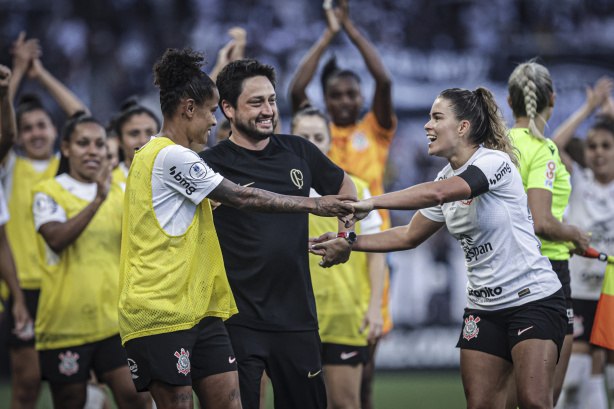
<point>183,362</point>
<point>471,327</point>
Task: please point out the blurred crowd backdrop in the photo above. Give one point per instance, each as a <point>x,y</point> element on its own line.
<point>104,51</point>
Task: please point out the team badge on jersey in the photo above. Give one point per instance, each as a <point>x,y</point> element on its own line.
<point>297,178</point>
<point>360,142</point>
<point>183,363</point>
<point>69,364</point>
<point>471,327</point>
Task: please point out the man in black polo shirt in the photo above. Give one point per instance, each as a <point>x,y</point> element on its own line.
<point>266,255</point>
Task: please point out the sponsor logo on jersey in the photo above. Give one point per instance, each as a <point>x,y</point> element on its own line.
<point>503,170</point>
<point>524,292</point>
<point>69,363</point>
<point>442,177</point>
<point>189,187</point>
<point>133,368</point>
<point>297,178</point>
<point>485,292</point>
<point>470,330</point>
<point>472,251</point>
<point>183,362</point>
<point>231,360</point>
<point>550,170</point>
<point>198,170</point>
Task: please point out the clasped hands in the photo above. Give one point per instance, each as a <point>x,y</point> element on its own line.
<point>336,250</point>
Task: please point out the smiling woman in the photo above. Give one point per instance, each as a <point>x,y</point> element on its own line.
<point>78,215</point>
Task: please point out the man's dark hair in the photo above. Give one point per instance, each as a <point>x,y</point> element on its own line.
<point>230,79</point>
<point>178,74</point>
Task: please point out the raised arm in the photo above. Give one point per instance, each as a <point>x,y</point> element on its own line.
<point>65,98</point>
<point>233,50</point>
<point>382,98</point>
<point>308,66</point>
<point>595,97</point>
<point>8,127</point>
<point>24,52</point>
<point>263,201</point>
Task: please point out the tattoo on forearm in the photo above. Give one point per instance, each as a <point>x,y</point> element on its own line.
<point>182,397</point>
<point>234,394</point>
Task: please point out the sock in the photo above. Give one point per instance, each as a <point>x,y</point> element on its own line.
<point>95,397</point>
<point>578,372</point>
<point>593,394</point>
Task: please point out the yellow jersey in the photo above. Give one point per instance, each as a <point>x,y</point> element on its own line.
<point>167,283</point>
<point>20,228</point>
<point>342,292</point>
<point>78,299</point>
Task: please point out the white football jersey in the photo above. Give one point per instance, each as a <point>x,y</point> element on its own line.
<point>591,207</point>
<point>505,267</point>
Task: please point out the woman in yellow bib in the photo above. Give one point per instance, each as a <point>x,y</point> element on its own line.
<point>546,181</point>
<point>30,161</point>
<point>79,214</point>
<point>134,125</point>
<point>174,293</point>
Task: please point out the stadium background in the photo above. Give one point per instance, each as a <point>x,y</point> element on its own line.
<point>104,51</point>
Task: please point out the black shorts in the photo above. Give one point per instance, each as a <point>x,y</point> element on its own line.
<point>561,268</point>
<point>497,332</point>
<point>292,359</point>
<point>584,317</point>
<point>73,364</point>
<point>339,354</point>
<point>26,338</point>
<point>178,357</point>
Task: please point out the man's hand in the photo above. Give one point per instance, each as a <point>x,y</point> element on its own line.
<point>334,250</point>
<point>334,206</point>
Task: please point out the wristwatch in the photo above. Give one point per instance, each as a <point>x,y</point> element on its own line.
<point>350,236</point>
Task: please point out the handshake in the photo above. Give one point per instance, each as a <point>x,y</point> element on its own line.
<point>347,208</point>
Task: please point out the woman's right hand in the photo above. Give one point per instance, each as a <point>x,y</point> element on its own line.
<point>598,95</point>
<point>24,52</point>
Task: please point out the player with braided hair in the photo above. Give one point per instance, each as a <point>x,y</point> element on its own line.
<point>546,181</point>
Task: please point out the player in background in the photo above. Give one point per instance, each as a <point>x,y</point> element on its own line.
<point>8,131</point>
<point>360,145</point>
<point>348,296</point>
<point>174,293</point>
<point>134,125</point>
<point>546,181</point>
<point>78,215</point>
<point>31,160</point>
<point>591,208</point>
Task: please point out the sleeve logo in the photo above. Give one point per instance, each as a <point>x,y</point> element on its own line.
<point>189,188</point>
<point>503,170</point>
<point>198,170</point>
<point>550,170</point>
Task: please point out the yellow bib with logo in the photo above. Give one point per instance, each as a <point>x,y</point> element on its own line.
<point>167,283</point>
<point>342,292</point>
<point>20,228</point>
<point>78,300</point>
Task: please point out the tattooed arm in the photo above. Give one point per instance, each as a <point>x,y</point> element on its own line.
<point>263,201</point>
